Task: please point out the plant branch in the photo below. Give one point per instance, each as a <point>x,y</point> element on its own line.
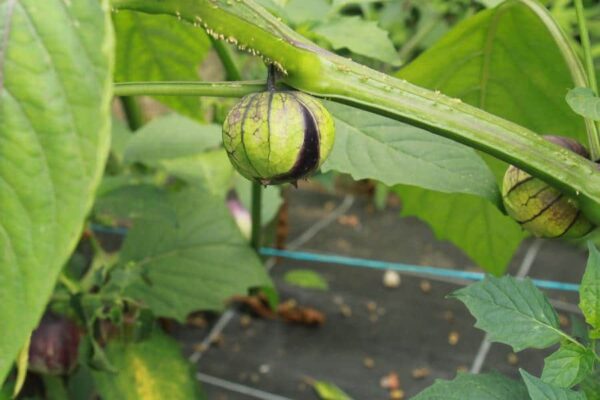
<point>255,239</point>
<point>231,70</point>
<point>591,72</point>
<point>210,89</point>
<point>314,70</point>
<point>133,112</point>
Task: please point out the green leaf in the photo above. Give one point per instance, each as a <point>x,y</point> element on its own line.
<point>302,11</point>
<point>147,370</point>
<point>568,366</point>
<point>55,94</point>
<point>371,146</point>
<point>21,363</point>
<point>169,137</point>
<point>487,61</point>
<point>475,387</point>
<point>195,262</point>
<point>6,390</point>
<point>329,391</point>
<point>540,390</point>
<point>474,225</point>
<point>359,36</point>
<point>306,278</point>
<point>584,102</point>
<point>141,201</point>
<point>589,291</point>
<point>160,48</point>
<point>209,170</point>
<point>512,311</point>
<point>591,386</point>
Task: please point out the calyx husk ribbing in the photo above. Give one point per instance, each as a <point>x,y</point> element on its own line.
<point>541,209</point>
<point>275,136</point>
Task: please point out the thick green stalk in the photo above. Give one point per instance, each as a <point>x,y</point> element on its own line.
<point>591,71</point>
<point>209,89</point>
<point>312,69</point>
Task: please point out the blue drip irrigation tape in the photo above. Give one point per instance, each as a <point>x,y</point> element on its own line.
<point>383,265</point>
<point>373,264</point>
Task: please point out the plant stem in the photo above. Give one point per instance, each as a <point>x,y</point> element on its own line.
<point>133,112</point>
<point>231,70</point>
<point>72,286</point>
<point>591,72</point>
<point>209,89</point>
<point>255,239</point>
<point>585,41</point>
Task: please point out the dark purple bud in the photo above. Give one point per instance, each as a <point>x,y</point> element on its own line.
<point>54,346</point>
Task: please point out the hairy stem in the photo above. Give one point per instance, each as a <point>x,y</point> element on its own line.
<point>210,89</point>
<point>312,69</point>
<point>591,72</point>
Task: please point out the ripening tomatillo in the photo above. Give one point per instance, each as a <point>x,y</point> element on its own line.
<point>278,136</point>
<point>541,209</point>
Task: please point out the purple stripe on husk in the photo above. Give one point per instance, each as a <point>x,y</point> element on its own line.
<point>308,158</point>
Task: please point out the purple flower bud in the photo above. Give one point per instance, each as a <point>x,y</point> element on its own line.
<point>54,346</point>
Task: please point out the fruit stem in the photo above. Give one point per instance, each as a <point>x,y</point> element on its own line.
<point>594,138</point>
<point>271,77</point>
<point>209,89</point>
<point>255,239</point>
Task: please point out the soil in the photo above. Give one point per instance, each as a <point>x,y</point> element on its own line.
<point>370,330</point>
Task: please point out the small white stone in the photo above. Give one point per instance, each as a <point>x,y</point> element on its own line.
<point>391,279</point>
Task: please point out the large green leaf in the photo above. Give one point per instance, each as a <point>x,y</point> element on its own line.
<point>589,292</point>
<point>171,136</point>
<point>511,311</point>
<point>477,227</point>
<point>371,146</point>
<point>184,149</point>
<point>540,390</point>
<point>504,60</point>
<point>147,370</point>
<point>55,91</point>
<point>160,48</point>
<point>195,262</point>
<point>210,170</point>
<point>359,36</point>
<point>475,387</point>
<point>568,366</point>
<point>132,202</point>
